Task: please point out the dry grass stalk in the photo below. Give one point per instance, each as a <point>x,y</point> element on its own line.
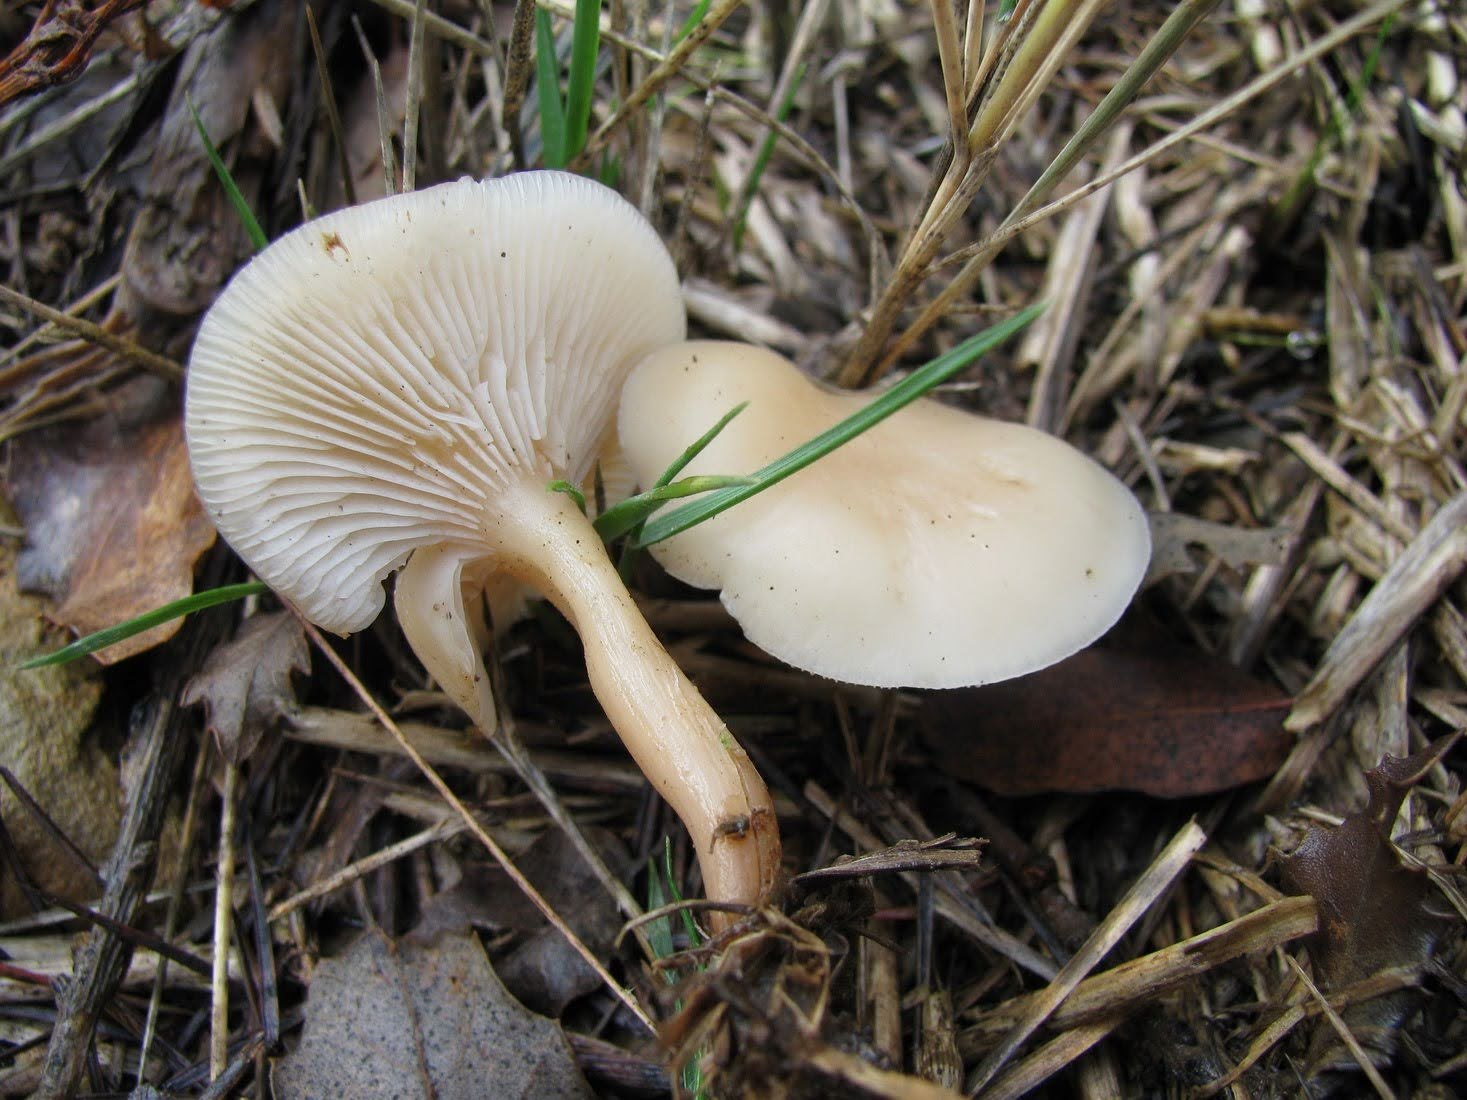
<point>1414,582</point>
<point>1115,992</point>
<point>1158,878</point>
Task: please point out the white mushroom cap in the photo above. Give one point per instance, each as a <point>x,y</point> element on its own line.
<point>362,384</point>
<point>939,549</point>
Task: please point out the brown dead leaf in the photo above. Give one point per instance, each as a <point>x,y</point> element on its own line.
<point>245,684</point>
<point>44,718</point>
<point>541,969</point>
<point>1374,912</point>
<point>187,238</point>
<point>1182,544</point>
<point>1135,712</point>
<point>410,1018</point>
<point>113,527</point>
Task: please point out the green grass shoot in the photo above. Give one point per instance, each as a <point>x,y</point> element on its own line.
<point>662,890</point>
<point>915,385</point>
<point>236,197</point>
<point>565,122</point>
<point>761,161</point>
<point>628,515</point>
<point>632,512</point>
<point>694,18</point>
<point>178,608</point>
<point>560,485</point>
<point>1304,182</point>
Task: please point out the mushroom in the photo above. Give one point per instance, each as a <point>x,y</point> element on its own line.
<point>396,384</point>
<point>939,549</point>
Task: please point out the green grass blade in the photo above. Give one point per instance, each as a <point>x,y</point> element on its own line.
<point>919,382</point>
<point>585,47</point>
<point>698,446</point>
<point>562,486</point>
<point>659,931</point>
<point>236,197</point>
<point>761,162</point>
<point>690,926</point>
<point>1303,184</point>
<point>178,608</point>
<point>547,87</point>
<point>629,551</point>
<point>630,513</point>
<point>694,18</point>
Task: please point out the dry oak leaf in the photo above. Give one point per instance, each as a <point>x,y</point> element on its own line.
<point>245,684</point>
<point>410,1018</point>
<point>541,970</point>
<point>113,527</point>
<point>1374,911</point>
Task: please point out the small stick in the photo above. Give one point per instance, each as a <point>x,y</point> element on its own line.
<point>1414,581</point>
<point>517,76</point>
<point>665,71</point>
<point>175,901</point>
<point>414,101</point>
<point>353,871</point>
<point>219,1011</point>
<point>1337,1022</point>
<point>95,334</point>
<point>54,831</point>
<point>333,114</point>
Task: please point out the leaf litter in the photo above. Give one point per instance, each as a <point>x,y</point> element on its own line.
<point>245,685</point>
<point>1377,911</point>
<point>430,1018</point>
<point>1262,333</point>
<point>114,528</point>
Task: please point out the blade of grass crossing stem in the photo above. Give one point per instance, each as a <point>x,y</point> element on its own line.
<point>610,523</point>
<point>698,446</point>
<point>761,162</point>
<point>629,550</point>
<point>700,10</point>
<point>236,198</point>
<point>560,485</point>
<point>547,87</point>
<point>585,48</point>
<point>617,521</point>
<point>122,631</point>
<point>915,385</point>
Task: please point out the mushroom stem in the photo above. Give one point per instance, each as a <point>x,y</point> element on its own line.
<point>677,740</point>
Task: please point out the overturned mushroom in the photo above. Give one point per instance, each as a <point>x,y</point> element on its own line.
<point>398,383</point>
<point>939,549</point>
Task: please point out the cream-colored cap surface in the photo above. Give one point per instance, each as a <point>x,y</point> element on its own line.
<point>364,385</point>
<point>940,549</point>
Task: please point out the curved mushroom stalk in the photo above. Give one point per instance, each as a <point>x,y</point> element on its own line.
<point>681,745</point>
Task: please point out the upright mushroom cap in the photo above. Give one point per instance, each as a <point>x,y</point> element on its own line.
<point>359,386</point>
<point>939,549</point>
